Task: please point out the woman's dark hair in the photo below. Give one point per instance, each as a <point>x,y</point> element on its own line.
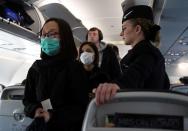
<point>114,48</point>
<point>93,46</point>
<point>67,44</point>
<point>151,30</point>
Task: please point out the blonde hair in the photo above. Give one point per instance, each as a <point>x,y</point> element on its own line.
<point>151,31</point>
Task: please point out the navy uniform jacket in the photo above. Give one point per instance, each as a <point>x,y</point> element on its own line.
<point>143,68</point>
<point>63,82</point>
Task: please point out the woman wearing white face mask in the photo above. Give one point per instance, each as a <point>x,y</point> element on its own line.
<point>89,57</point>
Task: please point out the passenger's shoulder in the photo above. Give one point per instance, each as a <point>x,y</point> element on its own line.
<point>34,66</point>
<point>75,68</point>
<point>75,64</point>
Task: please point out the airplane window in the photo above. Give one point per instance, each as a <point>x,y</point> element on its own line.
<point>17,55</point>
<point>18,44</point>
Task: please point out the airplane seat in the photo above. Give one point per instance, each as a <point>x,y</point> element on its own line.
<point>12,115</point>
<point>184,80</point>
<point>15,92</point>
<point>139,111</point>
<point>180,88</point>
<point>183,87</point>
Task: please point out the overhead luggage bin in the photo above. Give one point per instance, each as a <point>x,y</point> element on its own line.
<point>139,111</point>
<point>21,19</point>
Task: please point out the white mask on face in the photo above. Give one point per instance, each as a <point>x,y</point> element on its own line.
<point>87,58</point>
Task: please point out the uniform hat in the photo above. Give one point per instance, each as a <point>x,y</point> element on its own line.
<point>139,11</point>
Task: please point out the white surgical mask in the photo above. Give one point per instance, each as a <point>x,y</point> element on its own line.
<point>87,58</point>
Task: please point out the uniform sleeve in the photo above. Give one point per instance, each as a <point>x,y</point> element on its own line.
<point>138,71</point>
<point>30,100</point>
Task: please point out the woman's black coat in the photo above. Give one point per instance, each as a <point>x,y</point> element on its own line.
<point>143,68</point>
<point>64,83</point>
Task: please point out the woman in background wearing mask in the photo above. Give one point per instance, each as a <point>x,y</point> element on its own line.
<point>89,57</point>
<point>56,80</point>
